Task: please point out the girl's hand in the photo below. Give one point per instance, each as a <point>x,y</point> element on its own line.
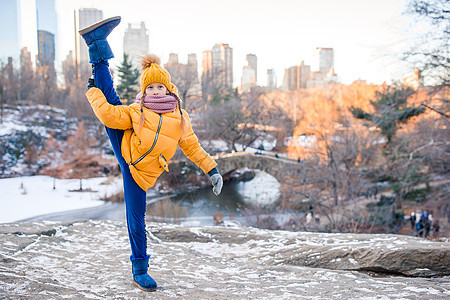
<point>91,83</point>
<point>217,182</point>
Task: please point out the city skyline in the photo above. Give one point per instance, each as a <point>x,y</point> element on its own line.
<point>362,34</point>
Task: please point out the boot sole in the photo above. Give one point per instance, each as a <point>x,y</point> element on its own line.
<point>147,290</point>
<point>92,27</point>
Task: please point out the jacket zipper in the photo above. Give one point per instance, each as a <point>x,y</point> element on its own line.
<point>153,146</point>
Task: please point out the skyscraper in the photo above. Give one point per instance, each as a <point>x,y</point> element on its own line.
<point>25,61</point>
<point>326,59</point>
<point>193,65</point>
<point>173,59</point>
<point>207,61</point>
<point>217,72</point>
<point>222,65</point>
<point>271,79</point>
<point>249,73</point>
<point>47,20</point>
<point>297,77</point>
<point>46,48</point>
<point>207,83</point>
<point>192,61</point>
<point>253,63</point>
<point>135,42</point>
<point>10,32</point>
<point>248,79</point>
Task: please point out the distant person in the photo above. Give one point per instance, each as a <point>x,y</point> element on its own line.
<point>260,149</point>
<point>447,211</point>
<point>426,227</point>
<point>144,136</point>
<point>435,229</point>
<point>308,218</point>
<point>412,219</point>
<point>419,228</point>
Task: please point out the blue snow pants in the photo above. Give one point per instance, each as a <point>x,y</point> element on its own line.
<point>135,197</point>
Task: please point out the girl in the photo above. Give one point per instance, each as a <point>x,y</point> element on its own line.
<point>144,136</point>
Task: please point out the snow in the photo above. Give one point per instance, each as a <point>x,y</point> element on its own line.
<point>29,196</point>
<point>9,126</point>
<point>267,141</point>
<point>263,190</point>
<point>76,262</point>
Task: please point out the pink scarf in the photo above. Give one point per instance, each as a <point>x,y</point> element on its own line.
<point>158,104</point>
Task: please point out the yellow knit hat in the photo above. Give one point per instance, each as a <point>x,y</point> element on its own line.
<point>152,72</point>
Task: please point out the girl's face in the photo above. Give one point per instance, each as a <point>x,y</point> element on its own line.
<point>156,89</point>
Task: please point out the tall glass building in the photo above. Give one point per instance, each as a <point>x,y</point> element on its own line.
<point>47,21</point>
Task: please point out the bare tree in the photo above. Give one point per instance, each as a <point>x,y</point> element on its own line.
<point>81,161</point>
<point>73,99</point>
<point>3,84</point>
<point>332,172</point>
<point>212,87</point>
<point>240,121</point>
<point>185,78</point>
<point>51,158</point>
<point>46,79</point>
<point>11,88</point>
<point>27,80</point>
<point>282,110</point>
<point>430,53</point>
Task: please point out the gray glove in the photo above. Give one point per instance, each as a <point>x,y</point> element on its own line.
<point>217,182</point>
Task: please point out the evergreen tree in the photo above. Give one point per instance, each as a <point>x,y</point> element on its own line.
<point>128,77</point>
<point>391,109</point>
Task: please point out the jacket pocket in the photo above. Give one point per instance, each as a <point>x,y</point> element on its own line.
<point>163,163</point>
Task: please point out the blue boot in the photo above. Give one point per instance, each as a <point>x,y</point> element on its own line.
<point>140,277</point>
<point>95,38</point>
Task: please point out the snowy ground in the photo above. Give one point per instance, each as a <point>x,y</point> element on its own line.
<point>90,260</point>
<point>25,197</point>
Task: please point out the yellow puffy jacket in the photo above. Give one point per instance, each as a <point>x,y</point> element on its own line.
<point>160,135</point>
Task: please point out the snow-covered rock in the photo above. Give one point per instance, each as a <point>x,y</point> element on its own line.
<point>90,260</point>
<point>25,128</point>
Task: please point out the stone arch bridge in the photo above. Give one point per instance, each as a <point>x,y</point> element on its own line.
<point>278,167</point>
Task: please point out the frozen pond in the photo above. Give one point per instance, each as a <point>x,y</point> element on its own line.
<point>198,207</point>
<point>193,208</point>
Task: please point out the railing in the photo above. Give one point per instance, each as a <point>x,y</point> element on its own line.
<point>253,155</point>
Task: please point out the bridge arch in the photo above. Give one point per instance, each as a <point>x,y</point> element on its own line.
<point>276,166</point>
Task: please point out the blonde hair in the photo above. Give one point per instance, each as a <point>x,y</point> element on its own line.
<point>142,119</point>
<point>184,127</point>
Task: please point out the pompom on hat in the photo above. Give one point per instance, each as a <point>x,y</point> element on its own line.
<point>153,72</point>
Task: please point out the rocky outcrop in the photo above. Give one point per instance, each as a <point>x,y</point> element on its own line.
<point>382,253</point>
<point>90,260</point>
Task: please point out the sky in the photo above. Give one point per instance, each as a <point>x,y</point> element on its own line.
<point>367,35</point>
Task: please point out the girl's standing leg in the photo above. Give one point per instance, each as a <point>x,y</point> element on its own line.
<point>135,197</point>
<point>135,201</point>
